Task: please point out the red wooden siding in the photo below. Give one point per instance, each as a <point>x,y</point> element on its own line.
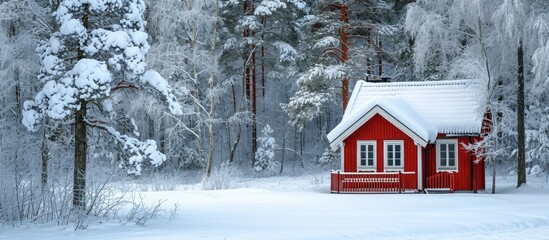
<point>479,177</point>
<point>463,178</point>
<point>379,129</point>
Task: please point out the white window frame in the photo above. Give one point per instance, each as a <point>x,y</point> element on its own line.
<point>358,165</point>
<point>456,150</point>
<point>385,155</point>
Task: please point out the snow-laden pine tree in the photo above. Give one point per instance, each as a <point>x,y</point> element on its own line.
<point>264,156</point>
<point>344,43</point>
<point>260,41</point>
<point>98,52</point>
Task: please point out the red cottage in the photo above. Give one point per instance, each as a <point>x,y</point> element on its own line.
<point>410,136</point>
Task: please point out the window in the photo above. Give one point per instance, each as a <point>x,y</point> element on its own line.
<point>394,155</point>
<point>366,155</point>
<point>447,155</point>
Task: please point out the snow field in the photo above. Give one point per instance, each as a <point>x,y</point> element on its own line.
<point>298,208</point>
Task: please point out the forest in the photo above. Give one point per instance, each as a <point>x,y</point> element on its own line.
<point>96,92</point>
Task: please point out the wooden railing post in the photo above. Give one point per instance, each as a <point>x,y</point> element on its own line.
<point>399,182</point>
<point>452,182</point>
<point>339,183</point>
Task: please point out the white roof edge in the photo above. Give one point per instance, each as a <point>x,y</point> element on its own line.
<point>420,83</point>
<point>336,140</point>
<point>354,95</point>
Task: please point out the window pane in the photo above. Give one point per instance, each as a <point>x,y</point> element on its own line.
<point>451,158</point>
<point>370,155</point>
<point>362,148</point>
<point>363,162</point>
<point>397,148</point>
<point>451,155</point>
<point>443,155</point>
<point>363,155</point>
<point>397,155</point>
<point>389,148</point>
<point>390,155</point>
<point>371,148</point>
<point>397,162</point>
<point>370,162</point>
<point>390,162</point>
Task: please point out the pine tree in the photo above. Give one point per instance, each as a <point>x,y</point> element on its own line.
<point>347,37</point>
<point>260,39</point>
<point>98,51</point>
<point>264,156</point>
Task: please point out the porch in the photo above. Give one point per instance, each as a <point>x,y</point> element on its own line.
<point>387,182</point>
<point>373,182</point>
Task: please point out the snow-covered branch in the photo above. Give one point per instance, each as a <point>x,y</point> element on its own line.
<point>135,150</point>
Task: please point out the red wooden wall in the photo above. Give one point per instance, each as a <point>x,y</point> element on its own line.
<point>379,129</point>
<point>464,177</point>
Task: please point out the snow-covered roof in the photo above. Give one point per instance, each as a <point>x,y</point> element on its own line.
<point>423,108</point>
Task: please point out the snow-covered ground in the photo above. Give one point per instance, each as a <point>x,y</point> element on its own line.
<point>302,208</point>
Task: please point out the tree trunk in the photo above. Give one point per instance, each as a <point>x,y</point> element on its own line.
<point>45,152</point>
<point>344,55</point>
<point>162,135</point>
<point>521,166</point>
<point>494,176</point>
<point>235,144</point>
<point>212,84</point>
<point>379,58</point>
<point>80,156</point>
<point>263,20</point>
<point>254,106</point>
<point>368,61</point>
<point>80,147</point>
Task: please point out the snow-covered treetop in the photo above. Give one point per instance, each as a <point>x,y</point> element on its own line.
<point>131,10</point>
<point>100,48</point>
<point>107,56</point>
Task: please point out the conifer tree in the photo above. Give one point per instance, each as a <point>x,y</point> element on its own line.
<point>98,52</point>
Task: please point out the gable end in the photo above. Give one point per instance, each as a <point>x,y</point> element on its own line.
<point>336,140</point>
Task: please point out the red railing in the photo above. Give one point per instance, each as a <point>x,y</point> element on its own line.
<point>342,182</point>
<point>442,181</point>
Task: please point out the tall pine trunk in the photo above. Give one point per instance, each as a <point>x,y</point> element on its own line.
<point>80,156</point>
<point>80,147</point>
<point>344,55</point>
<point>521,166</point>
<point>45,152</point>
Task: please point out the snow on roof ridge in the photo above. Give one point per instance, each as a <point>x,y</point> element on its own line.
<point>422,83</point>
<point>453,106</point>
<point>394,109</point>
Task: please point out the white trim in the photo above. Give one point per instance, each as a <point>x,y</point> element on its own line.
<point>354,95</point>
<point>385,160</point>
<point>419,168</point>
<point>377,110</point>
<point>342,148</point>
<point>456,149</point>
<point>366,143</point>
